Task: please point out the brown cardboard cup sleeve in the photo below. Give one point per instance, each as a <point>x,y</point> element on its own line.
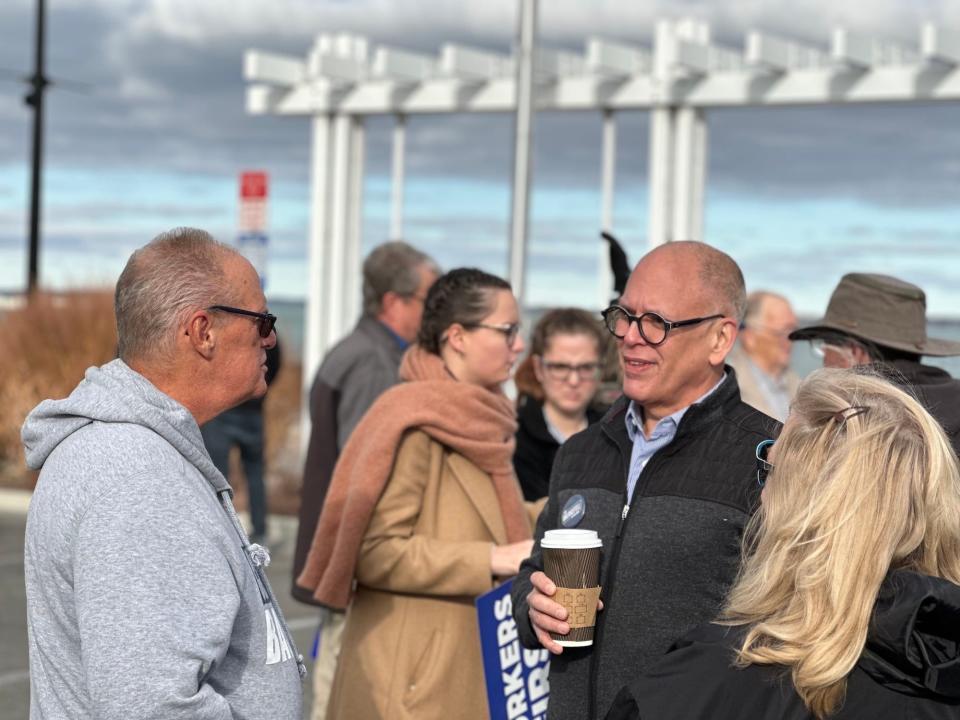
<point>581,605</point>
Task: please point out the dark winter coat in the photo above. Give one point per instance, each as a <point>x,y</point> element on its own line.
<point>936,390</point>
<point>536,448</point>
<point>668,558</point>
<point>910,668</point>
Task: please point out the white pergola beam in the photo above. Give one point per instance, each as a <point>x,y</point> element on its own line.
<point>336,68</point>
<point>690,56</point>
<point>767,52</point>
<point>939,46</point>
<point>471,64</point>
<point>816,86</point>
<point>552,64</point>
<point>609,58</point>
<point>856,51</point>
<point>402,65</point>
<point>272,69</point>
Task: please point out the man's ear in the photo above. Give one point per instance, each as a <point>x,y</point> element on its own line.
<point>201,334</point>
<point>723,339</point>
<point>388,302</point>
<point>861,355</point>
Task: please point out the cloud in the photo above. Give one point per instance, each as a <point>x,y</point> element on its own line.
<point>167,99</point>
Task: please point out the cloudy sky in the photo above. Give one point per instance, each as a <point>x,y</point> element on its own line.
<point>154,133</point>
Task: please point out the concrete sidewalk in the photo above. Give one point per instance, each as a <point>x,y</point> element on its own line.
<point>14,673</point>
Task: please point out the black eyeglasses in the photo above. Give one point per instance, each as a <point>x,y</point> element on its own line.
<point>763,467</point>
<point>509,330</point>
<point>265,321</point>
<point>561,371</point>
<point>653,328</point>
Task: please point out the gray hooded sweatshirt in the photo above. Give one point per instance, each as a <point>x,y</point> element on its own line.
<point>144,597</point>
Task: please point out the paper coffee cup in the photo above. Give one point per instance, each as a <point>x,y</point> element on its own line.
<point>571,559</point>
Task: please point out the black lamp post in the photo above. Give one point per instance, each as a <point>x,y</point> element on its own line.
<point>38,83</point>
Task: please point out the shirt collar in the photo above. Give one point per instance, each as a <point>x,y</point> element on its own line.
<point>403,344</point>
<point>634,418</point>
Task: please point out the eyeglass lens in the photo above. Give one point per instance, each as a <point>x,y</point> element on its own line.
<point>562,371</point>
<point>653,328</point>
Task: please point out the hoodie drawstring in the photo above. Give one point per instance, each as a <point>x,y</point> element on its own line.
<point>259,558</point>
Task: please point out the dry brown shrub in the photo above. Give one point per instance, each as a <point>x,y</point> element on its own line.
<point>51,341</point>
<point>282,429</point>
<point>57,336</point>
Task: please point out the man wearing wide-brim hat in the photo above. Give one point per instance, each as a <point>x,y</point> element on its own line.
<point>878,319</point>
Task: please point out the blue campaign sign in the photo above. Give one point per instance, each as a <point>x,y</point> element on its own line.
<point>516,678</point>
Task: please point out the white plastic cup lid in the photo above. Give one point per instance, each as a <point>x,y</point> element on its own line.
<point>571,539</point>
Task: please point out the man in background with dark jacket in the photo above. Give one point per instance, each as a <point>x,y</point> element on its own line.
<point>667,479</point>
<point>880,320</point>
<point>353,374</point>
<point>242,427</point>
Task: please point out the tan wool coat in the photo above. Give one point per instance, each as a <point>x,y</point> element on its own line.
<point>411,647</point>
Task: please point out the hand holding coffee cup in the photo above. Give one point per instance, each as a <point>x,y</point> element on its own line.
<point>564,601</point>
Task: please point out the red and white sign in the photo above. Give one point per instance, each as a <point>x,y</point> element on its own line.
<point>252,240</point>
<point>253,185</point>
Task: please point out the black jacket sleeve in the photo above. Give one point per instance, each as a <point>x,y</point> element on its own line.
<point>521,583</point>
<point>697,680</point>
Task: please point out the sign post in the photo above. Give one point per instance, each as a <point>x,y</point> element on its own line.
<point>252,240</point>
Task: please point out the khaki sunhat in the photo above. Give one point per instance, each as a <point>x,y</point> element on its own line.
<point>883,310</point>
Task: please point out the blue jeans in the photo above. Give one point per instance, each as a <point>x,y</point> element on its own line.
<point>242,427</point>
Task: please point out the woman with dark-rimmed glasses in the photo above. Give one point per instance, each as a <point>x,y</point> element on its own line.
<point>557,384</point>
<point>847,604</point>
<point>424,513</point>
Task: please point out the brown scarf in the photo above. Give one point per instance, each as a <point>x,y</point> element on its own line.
<point>471,420</point>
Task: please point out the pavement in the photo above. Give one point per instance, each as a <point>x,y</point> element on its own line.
<point>14,665</point>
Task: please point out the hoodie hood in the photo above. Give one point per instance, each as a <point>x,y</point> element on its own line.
<point>913,645</point>
<point>114,393</point>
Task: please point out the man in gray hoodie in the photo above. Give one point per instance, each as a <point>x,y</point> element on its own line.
<point>145,599</point>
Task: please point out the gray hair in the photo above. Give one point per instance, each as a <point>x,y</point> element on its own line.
<point>174,274</point>
<point>392,267</point>
<point>756,302</point>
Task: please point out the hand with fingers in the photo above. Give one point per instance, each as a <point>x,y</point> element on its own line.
<point>546,615</point>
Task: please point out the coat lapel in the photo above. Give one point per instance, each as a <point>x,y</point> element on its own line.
<point>479,489</point>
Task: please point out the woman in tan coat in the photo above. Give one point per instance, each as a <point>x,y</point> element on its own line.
<point>424,514</point>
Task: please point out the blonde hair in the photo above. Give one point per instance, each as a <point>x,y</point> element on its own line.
<point>853,494</point>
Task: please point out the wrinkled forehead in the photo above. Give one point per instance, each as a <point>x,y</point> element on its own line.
<point>243,282</point>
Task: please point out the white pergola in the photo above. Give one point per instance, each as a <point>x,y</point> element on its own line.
<point>343,79</point>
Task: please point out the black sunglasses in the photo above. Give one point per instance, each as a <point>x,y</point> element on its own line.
<point>653,328</point>
<point>763,467</point>
<point>265,321</point>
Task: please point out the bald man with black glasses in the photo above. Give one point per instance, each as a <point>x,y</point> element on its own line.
<point>667,479</point>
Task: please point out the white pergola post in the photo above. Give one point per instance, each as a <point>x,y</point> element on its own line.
<point>660,176</point>
<point>608,173</point>
<point>698,190</point>
<point>396,186</point>
<point>314,335</point>
<point>353,268</point>
<point>689,174</point>
<point>335,320</point>
<point>523,141</point>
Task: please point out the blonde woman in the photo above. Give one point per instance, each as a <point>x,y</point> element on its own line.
<point>847,605</point>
